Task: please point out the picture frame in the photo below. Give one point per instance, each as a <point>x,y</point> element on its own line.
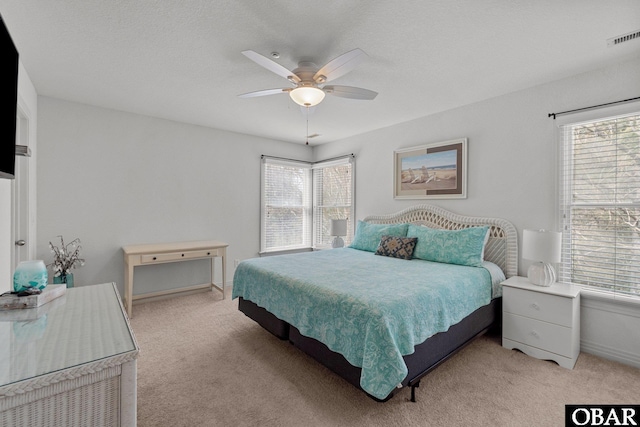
<point>433,171</point>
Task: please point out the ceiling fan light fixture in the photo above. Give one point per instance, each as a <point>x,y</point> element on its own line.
<point>307,96</point>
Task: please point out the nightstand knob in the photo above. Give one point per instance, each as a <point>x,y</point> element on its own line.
<point>535,306</point>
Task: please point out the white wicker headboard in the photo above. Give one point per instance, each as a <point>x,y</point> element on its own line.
<point>501,249</point>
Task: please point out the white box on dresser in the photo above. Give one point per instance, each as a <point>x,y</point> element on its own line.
<point>543,322</point>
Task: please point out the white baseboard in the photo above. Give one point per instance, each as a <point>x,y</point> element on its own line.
<point>616,355</point>
<point>609,328</point>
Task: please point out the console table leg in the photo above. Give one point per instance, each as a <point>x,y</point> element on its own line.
<point>213,270</point>
<point>224,273</point>
<point>128,289</point>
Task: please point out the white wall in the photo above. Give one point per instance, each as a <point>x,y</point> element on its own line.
<point>28,100</point>
<point>113,178</point>
<point>512,148</point>
<point>511,173</point>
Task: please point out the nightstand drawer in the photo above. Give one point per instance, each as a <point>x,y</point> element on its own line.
<point>537,305</point>
<point>553,338</point>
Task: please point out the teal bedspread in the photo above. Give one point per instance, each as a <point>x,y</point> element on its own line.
<point>371,309</point>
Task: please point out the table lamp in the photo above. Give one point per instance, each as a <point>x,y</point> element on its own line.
<point>543,247</point>
<point>338,228</point>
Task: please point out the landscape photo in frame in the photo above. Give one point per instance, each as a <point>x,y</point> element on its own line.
<point>434,171</point>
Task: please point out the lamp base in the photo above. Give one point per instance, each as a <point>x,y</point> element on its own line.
<point>542,274</point>
<point>337,242</point>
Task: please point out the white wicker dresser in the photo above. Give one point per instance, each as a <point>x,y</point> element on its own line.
<point>71,362</point>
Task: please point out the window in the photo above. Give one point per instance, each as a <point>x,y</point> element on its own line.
<point>299,199</point>
<point>600,203</point>
<point>332,199</point>
<point>286,205</point>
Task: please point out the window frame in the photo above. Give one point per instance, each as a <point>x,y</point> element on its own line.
<point>566,204</point>
<point>306,205</point>
<point>318,204</point>
<point>309,243</point>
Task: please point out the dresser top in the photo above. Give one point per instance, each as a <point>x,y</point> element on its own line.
<point>561,289</point>
<point>85,325</point>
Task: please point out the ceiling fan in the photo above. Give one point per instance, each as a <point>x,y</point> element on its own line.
<point>308,80</point>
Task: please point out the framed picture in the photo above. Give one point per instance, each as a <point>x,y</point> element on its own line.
<point>434,171</point>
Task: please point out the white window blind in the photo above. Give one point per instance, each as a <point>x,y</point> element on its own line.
<point>600,203</point>
<point>333,188</point>
<point>286,205</point>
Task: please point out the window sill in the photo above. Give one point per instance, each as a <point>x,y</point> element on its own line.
<point>609,296</point>
<point>608,301</point>
<point>284,252</point>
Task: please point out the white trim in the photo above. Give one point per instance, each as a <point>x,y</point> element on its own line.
<point>286,162</point>
<point>612,308</point>
<point>608,353</point>
<point>565,197</point>
<point>285,251</point>
<point>608,301</point>
<point>310,218</point>
<point>347,160</point>
<point>335,162</point>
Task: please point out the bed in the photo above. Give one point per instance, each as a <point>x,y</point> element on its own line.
<point>375,315</point>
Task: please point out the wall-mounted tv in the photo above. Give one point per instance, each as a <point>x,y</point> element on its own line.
<point>8,102</point>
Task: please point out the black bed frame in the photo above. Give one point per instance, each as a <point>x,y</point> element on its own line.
<point>427,356</point>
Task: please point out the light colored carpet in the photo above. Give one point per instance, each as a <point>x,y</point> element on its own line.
<point>204,363</point>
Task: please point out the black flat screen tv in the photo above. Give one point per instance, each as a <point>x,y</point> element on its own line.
<point>8,102</point>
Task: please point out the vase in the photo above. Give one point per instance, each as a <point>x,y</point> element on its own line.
<point>67,279</point>
<point>30,274</point>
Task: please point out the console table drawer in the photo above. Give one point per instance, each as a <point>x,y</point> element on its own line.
<point>537,305</point>
<point>177,256</point>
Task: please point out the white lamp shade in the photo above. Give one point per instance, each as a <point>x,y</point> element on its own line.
<point>307,96</point>
<point>542,245</point>
<point>338,227</point>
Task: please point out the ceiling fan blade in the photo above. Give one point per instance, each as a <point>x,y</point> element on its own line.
<point>271,65</point>
<point>263,93</point>
<point>350,92</point>
<point>340,66</point>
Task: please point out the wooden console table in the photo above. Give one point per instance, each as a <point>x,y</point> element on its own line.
<point>136,255</point>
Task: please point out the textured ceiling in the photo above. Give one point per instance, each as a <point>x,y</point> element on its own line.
<point>181,60</point>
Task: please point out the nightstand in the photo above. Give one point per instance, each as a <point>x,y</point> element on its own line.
<point>543,322</point>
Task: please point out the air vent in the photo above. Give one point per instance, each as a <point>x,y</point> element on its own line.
<point>623,38</point>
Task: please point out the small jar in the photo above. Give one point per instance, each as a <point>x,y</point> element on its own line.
<point>30,274</point>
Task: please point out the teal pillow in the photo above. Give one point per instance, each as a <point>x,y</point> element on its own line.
<point>368,235</point>
<point>462,247</point>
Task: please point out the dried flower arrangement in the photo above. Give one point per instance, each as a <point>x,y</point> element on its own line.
<point>65,257</point>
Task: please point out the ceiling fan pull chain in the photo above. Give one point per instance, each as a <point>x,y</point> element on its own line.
<point>307,125</point>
